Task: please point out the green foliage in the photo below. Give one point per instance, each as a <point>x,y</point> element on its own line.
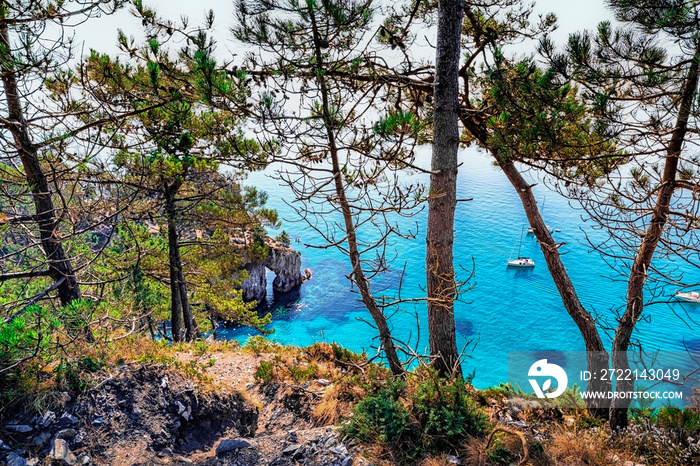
<point>303,374</point>
<point>283,238</point>
<point>418,418</point>
<point>672,417</point>
<point>264,373</point>
<point>75,375</point>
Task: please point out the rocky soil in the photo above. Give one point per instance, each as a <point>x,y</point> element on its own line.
<point>148,414</point>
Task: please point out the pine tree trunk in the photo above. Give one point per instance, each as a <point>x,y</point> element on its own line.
<point>175,266</point>
<point>597,356</point>
<point>59,264</point>
<point>650,240</point>
<point>442,202</point>
<point>357,275</point>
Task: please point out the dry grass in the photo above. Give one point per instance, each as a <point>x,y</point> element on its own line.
<point>474,453</point>
<point>570,447</point>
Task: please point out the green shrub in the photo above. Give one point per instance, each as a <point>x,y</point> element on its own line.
<point>381,418</point>
<point>264,373</point>
<point>302,374</point>
<point>672,417</point>
<point>76,375</point>
<point>422,418</point>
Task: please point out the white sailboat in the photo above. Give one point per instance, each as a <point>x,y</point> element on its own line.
<point>688,296</point>
<point>521,261</point>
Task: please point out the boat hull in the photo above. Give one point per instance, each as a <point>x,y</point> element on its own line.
<point>521,263</point>
<point>689,297</point>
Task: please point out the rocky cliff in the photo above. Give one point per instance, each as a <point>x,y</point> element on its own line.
<point>284,261</point>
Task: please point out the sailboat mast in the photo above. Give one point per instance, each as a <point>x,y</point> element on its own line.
<point>521,241</point>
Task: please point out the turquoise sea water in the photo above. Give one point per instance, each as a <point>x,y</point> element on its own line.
<point>505,310</point>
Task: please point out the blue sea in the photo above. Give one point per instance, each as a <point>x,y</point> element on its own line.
<point>502,309</point>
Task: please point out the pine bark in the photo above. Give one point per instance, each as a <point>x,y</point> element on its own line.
<point>59,264</point>
<point>357,275</point>
<point>597,356</point>
<point>650,240</point>
<point>180,308</point>
<point>442,200</point>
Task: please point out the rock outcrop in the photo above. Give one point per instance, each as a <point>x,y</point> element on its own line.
<point>284,261</point>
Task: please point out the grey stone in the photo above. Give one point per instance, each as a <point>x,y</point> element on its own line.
<point>13,459</point>
<point>60,451</point>
<point>521,403</point>
<point>453,459</point>
<point>20,428</point>
<point>67,434</point>
<point>98,422</point>
<point>227,445</point>
<point>180,408</point>
<point>47,419</point>
<point>323,381</point>
<point>292,436</point>
<point>291,449</point>
<point>340,450</point>
<point>347,461</point>
<point>67,419</point>
<point>3,446</point>
<point>41,439</point>
<point>86,459</point>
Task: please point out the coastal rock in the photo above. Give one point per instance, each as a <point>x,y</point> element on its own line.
<point>284,261</point>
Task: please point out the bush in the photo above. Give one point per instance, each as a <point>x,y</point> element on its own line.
<point>417,418</point>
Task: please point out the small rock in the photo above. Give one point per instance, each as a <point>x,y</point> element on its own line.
<point>136,411</point>
<point>180,407</point>
<point>347,461</point>
<point>14,459</point>
<point>299,454</point>
<point>64,397</point>
<point>292,436</point>
<point>453,459</point>
<point>47,419</point>
<point>323,381</point>
<point>20,428</point>
<point>340,450</point>
<point>291,449</point>
<point>165,452</point>
<point>41,439</point>
<point>164,382</point>
<point>85,460</point>
<point>67,420</point>
<point>60,451</point>
<point>519,423</point>
<point>67,434</point>
<point>3,446</point>
<point>227,445</point>
<point>98,422</point>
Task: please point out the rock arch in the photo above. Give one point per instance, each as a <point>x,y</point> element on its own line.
<point>284,261</point>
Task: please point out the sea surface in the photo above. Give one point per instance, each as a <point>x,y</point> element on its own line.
<point>501,309</point>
